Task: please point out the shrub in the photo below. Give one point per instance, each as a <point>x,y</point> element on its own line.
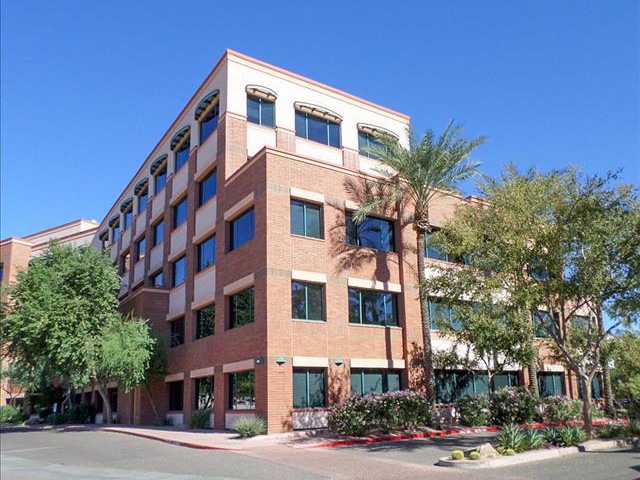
<point>457,455</point>
<point>360,414</point>
<point>250,426</point>
<point>83,413</point>
<point>500,449</point>
<point>532,439</point>
<point>512,437</point>
<point>633,409</point>
<point>571,436</point>
<point>510,452</point>
<point>611,431</point>
<point>12,414</point>
<point>512,405</point>
<point>473,410</point>
<point>474,456</point>
<point>200,418</point>
<point>561,409</point>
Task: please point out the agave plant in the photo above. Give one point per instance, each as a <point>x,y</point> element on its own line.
<point>551,435</point>
<point>571,436</point>
<point>532,439</point>
<point>512,437</point>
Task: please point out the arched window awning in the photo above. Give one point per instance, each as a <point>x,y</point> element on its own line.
<point>114,219</point>
<point>180,136</point>
<point>373,130</point>
<point>318,111</point>
<point>206,104</point>
<point>262,92</point>
<point>103,234</point>
<point>157,163</point>
<point>140,186</point>
<point>124,206</point>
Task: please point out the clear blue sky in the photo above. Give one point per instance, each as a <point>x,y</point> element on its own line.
<point>88,87</point>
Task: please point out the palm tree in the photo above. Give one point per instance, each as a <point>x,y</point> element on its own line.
<point>411,178</point>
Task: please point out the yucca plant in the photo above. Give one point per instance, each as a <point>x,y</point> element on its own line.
<point>550,435</point>
<point>411,177</point>
<point>571,436</point>
<point>512,437</point>
<point>250,426</point>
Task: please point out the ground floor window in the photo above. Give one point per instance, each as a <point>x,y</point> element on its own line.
<point>113,399</point>
<point>550,384</point>
<point>309,388</point>
<point>367,381</point>
<point>452,385</point>
<point>596,388</point>
<point>242,390</point>
<point>175,396</point>
<point>203,393</point>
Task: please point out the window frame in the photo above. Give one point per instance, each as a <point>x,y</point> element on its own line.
<point>184,145</point>
<point>159,223</point>
<point>161,172</point>
<point>140,241</point>
<point>232,308</point>
<point>307,393</point>
<point>252,390</point>
<point>198,332</point>
<point>197,383</point>
<point>176,209</point>
<point>362,293</point>
<point>385,379</point>
<point>318,118</point>
<point>143,193</point>
<point>174,263</point>
<point>199,266</point>
<point>232,228</point>
<point>176,396</point>
<point>154,276</point>
<point>306,204</point>
<point>306,286</point>
<point>261,101</point>
<point>201,200</point>
<point>176,332</point>
<point>353,234</point>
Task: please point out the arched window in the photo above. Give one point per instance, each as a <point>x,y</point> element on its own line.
<point>126,208</point>
<point>318,124</point>
<point>159,171</point>
<point>114,225</point>
<point>207,113</point>
<point>369,139</point>
<point>103,236</point>
<point>261,105</point>
<point>141,190</point>
<point>181,145</point>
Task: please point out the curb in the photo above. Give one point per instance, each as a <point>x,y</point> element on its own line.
<point>503,461</point>
<point>170,441</point>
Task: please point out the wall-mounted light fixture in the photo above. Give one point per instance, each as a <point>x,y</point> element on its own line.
<point>280,360</point>
<point>259,360</point>
<point>338,361</point>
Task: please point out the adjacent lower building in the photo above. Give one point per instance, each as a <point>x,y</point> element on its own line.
<point>15,255</point>
<point>235,238</point>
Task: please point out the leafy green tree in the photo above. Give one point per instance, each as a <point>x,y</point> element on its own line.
<point>625,353</point>
<point>560,243</point>
<point>64,314</point>
<point>410,179</point>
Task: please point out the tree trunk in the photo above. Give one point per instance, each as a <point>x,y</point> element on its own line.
<point>106,403</point>
<point>607,391</point>
<point>426,322</point>
<point>152,402</point>
<point>586,405</point>
<point>533,377</point>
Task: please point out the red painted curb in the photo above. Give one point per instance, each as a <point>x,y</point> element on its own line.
<point>179,443</point>
<point>444,433</point>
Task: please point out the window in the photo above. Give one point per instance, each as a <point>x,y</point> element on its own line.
<point>440,313</point>
<point>205,321</point>
<point>260,111</point>
<point>157,279</point>
<point>452,385</point>
<point>207,253</point>
<point>307,301</point>
<point>158,233</point>
<point>104,239</point>
<point>540,318</point>
<point>177,332</point>
<point>113,399</point>
<point>242,390</point>
<point>125,263</point>
<point>367,381</point>
<point>596,388</point>
<point>182,151</point>
<point>143,196</point>
<point>434,252</point>
<point>550,384</point>
<point>115,231</point>
<point>372,232</point>
<point>207,188</point>
<point>160,179</point>
<point>141,249</point>
<point>179,270</point>
<point>209,122</point>
<point>317,129</point>
<point>368,144</point>
<point>581,323</point>
<point>180,213</point>
<point>242,308</point>
<point>127,215</point>
<point>242,229</point>
<point>306,219</point>
<point>203,393</point>
<point>176,390</point>
<point>372,307</point>
<point>538,272</point>
<point>309,389</point>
